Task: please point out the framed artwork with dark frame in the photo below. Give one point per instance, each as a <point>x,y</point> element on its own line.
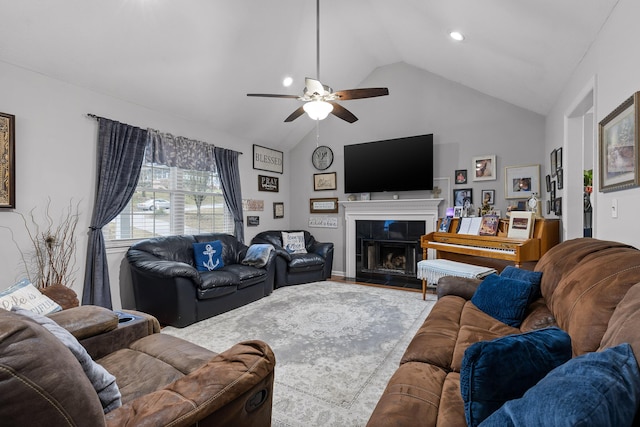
<point>553,162</point>
<point>278,210</point>
<point>462,196</point>
<point>326,205</point>
<point>461,176</point>
<point>520,182</point>
<point>488,196</point>
<point>559,177</point>
<point>618,146</point>
<point>7,161</point>
<point>324,181</point>
<point>557,206</point>
<point>484,168</point>
<point>548,179</point>
<point>558,158</point>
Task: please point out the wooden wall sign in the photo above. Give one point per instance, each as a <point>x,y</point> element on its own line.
<point>268,183</point>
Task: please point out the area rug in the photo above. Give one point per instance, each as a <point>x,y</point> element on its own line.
<point>336,346</point>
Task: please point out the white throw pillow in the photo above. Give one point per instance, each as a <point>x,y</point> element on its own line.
<point>294,242</point>
<point>24,295</point>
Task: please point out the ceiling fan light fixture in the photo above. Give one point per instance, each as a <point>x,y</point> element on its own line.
<point>456,35</point>
<point>317,110</point>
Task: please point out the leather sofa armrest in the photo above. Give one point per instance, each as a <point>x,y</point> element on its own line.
<point>86,321</point>
<point>459,286</point>
<point>321,249</point>
<point>244,372</point>
<point>153,265</point>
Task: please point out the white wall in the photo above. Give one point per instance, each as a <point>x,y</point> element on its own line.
<point>56,156</point>
<point>613,66</point>
<point>465,123</point>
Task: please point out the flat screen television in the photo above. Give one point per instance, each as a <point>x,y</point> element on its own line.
<point>401,164</point>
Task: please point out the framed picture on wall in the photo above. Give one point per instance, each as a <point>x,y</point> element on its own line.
<point>7,161</point>
<point>462,196</point>
<point>461,176</point>
<point>324,181</point>
<point>488,197</point>
<point>484,168</point>
<point>278,210</point>
<point>520,182</point>
<point>618,146</point>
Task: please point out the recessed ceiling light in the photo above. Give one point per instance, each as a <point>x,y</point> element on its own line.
<point>287,81</point>
<point>456,35</point>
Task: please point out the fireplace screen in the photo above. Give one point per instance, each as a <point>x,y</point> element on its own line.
<point>389,257</point>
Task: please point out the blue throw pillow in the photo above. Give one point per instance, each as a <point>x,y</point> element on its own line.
<point>208,255</point>
<point>503,369</point>
<point>503,298</point>
<point>595,389</point>
<point>533,277</point>
<point>257,255</point>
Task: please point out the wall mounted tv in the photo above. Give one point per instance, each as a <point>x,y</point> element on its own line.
<point>401,164</point>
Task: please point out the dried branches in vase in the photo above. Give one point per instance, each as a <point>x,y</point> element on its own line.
<point>53,255</point>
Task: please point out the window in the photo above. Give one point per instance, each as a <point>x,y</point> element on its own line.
<point>171,201</point>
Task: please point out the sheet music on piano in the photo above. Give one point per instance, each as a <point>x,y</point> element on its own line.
<point>470,225</point>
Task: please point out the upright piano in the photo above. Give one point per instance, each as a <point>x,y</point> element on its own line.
<point>493,251</point>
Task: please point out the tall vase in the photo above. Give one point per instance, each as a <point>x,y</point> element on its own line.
<point>64,296</point>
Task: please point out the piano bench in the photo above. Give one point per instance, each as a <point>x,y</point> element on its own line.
<point>431,270</point>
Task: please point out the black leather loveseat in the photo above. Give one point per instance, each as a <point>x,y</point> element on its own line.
<point>297,268</point>
<point>167,285</point>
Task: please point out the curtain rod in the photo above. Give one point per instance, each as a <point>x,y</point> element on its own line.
<point>93,116</point>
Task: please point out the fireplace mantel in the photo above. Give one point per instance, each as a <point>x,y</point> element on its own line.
<point>400,210</point>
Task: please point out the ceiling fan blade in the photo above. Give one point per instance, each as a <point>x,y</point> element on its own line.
<point>271,95</point>
<point>313,86</point>
<point>295,115</point>
<point>370,92</point>
<point>343,113</point>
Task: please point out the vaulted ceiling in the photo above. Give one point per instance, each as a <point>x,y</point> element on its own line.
<point>198,59</point>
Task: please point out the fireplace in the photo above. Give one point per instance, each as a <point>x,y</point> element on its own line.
<point>388,250</point>
<point>382,234</point>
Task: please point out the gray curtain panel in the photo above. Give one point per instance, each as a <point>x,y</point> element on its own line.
<point>120,155</point>
<point>229,172</point>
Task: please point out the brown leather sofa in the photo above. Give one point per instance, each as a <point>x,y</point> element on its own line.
<point>163,380</point>
<point>590,289</point>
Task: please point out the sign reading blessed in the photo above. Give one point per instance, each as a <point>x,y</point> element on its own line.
<point>267,159</point>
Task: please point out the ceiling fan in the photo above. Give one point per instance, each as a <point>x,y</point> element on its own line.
<point>319,99</point>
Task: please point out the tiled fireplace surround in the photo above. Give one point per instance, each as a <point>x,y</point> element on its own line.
<point>414,211</point>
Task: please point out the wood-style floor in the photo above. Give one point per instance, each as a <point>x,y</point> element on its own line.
<point>430,290</point>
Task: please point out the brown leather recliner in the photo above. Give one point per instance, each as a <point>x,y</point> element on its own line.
<point>163,380</point>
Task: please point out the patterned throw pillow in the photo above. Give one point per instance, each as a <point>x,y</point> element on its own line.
<point>208,255</point>
<point>24,295</point>
<point>294,242</point>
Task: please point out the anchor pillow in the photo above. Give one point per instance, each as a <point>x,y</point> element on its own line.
<point>208,255</point>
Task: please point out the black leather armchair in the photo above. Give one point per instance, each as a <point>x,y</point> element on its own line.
<point>167,285</point>
<point>294,269</point>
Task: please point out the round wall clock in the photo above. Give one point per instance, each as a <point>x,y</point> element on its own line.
<point>322,157</point>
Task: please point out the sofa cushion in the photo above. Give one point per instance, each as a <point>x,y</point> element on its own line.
<point>595,389</point>
<point>533,277</point>
<point>258,255</point>
<point>103,382</point>
<point>23,294</point>
<point>503,369</point>
<point>246,274</point>
<point>503,298</point>
<point>294,242</point>
<point>306,262</point>
<point>208,255</point>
